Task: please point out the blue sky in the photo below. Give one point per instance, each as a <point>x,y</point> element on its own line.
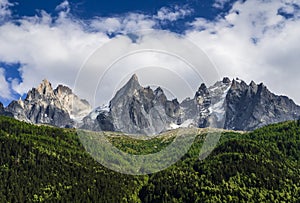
<point>89,9</point>
<point>253,40</point>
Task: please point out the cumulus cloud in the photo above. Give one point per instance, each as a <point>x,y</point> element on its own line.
<point>172,14</point>
<point>58,47</point>
<point>46,49</point>
<point>219,4</point>
<point>129,23</point>
<point>64,6</point>
<point>4,87</point>
<point>254,42</point>
<point>158,57</point>
<point>4,9</point>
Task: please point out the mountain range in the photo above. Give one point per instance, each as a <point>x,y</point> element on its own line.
<point>228,104</point>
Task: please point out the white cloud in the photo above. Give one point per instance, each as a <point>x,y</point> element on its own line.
<point>158,57</point>
<point>172,14</point>
<point>46,49</point>
<point>4,87</point>
<point>291,7</point>
<point>129,23</point>
<point>57,47</point>
<point>4,9</point>
<point>254,42</point>
<point>63,6</point>
<point>219,4</point>
<point>109,25</point>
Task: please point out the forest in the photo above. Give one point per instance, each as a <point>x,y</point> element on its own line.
<point>48,164</point>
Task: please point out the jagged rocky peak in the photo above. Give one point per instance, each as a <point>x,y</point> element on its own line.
<point>42,95</point>
<point>133,83</point>
<point>158,91</point>
<point>202,91</point>
<point>253,87</point>
<point>202,87</point>
<point>132,87</point>
<point>45,87</point>
<point>76,107</point>
<point>148,91</point>
<point>1,109</point>
<point>59,107</point>
<point>41,106</point>
<point>226,80</point>
<point>252,106</point>
<point>237,84</point>
<point>4,112</point>
<point>63,90</point>
<point>207,107</point>
<point>141,110</point>
<point>252,84</point>
<point>135,109</point>
<point>134,77</point>
<point>262,87</point>
<point>160,95</point>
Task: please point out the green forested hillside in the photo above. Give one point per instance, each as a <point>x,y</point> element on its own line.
<point>40,163</point>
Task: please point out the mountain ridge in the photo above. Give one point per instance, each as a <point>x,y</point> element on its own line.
<point>229,104</point>
<point>46,105</point>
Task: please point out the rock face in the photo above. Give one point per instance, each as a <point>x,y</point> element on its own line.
<point>236,105</point>
<point>207,108</point>
<point>1,108</point>
<point>252,106</point>
<point>98,120</point>
<point>76,107</point>
<point>226,104</point>
<point>139,110</point>
<point>47,106</point>
<point>3,111</point>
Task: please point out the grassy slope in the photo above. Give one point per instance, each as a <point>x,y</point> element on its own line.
<point>40,163</point>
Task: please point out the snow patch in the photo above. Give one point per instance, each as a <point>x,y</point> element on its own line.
<point>238,80</point>
<point>104,108</point>
<point>218,108</point>
<point>185,124</point>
